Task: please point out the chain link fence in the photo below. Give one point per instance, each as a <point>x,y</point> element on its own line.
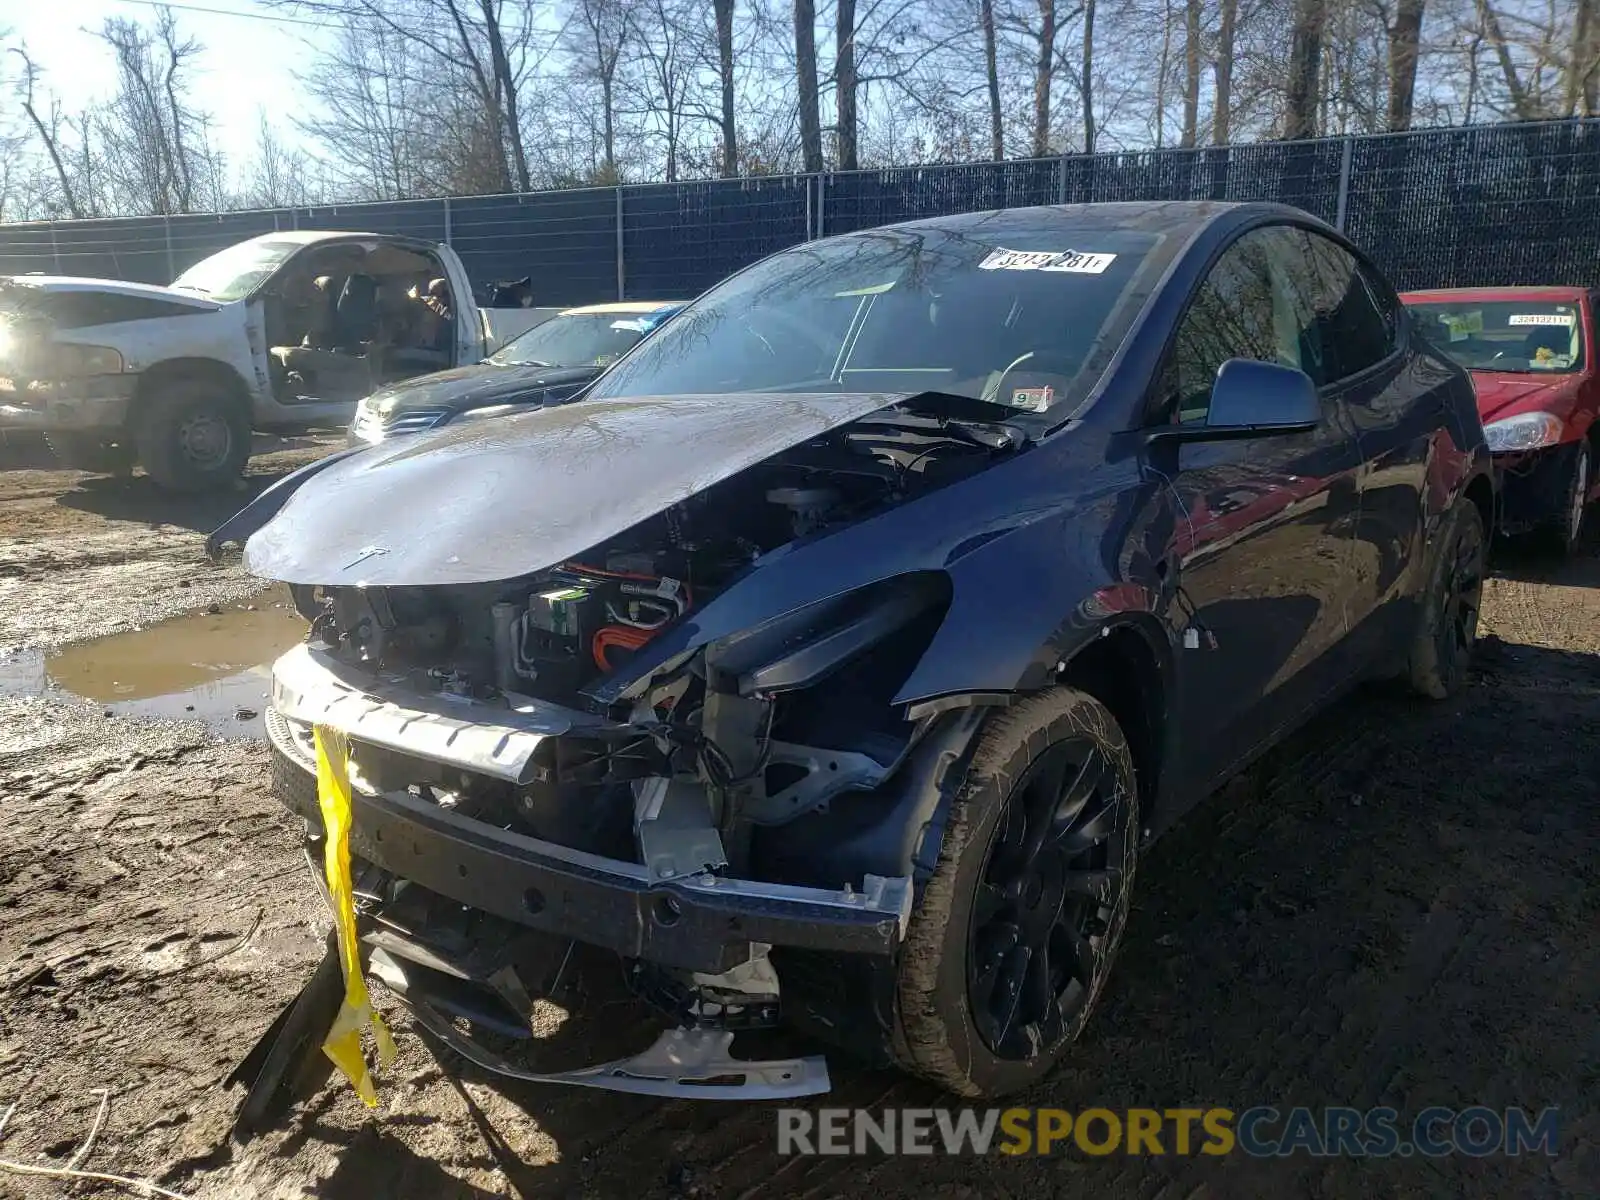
<point>1489,205</point>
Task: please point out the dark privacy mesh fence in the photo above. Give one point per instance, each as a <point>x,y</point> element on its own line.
<point>1502,204</point>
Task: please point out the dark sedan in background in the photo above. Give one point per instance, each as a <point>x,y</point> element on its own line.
<point>550,363</point>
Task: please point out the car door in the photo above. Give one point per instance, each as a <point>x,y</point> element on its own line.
<point>471,337</point>
<point>1395,402</point>
<point>1263,539</point>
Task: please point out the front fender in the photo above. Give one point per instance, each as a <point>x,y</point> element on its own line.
<point>266,505</point>
<point>1039,551</point>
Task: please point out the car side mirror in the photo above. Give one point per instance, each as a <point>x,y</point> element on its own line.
<point>1264,396</point>
<point>1252,399</point>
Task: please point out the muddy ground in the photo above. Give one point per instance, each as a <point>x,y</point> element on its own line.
<point>1401,907</point>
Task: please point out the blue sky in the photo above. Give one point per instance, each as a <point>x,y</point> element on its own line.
<point>246,65</point>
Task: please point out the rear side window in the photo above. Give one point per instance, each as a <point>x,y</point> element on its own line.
<point>1358,323</point>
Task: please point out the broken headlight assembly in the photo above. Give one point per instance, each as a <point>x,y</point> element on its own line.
<point>45,364</point>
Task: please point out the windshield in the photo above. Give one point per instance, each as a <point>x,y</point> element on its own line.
<point>578,340</point>
<point>237,271</point>
<point>1027,324</point>
<point>1532,336</point>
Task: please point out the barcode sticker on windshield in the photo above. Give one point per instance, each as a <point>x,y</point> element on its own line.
<point>1540,319</point>
<point>1075,261</point>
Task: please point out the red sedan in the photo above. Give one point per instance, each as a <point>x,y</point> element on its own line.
<point>1532,355</point>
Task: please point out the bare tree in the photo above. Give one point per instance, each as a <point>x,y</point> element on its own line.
<point>481,50</point>
<point>47,131</point>
<point>1043,73</point>
<point>844,84</point>
<point>276,177</point>
<point>175,53</point>
<point>150,129</point>
<point>1583,72</point>
<point>371,114</point>
<point>1402,28</point>
<point>1522,106</point>
<point>805,54</point>
<point>439,97</point>
<point>1222,73</point>
<point>729,128</point>
<point>1305,69</point>
<point>1087,86</point>
<point>664,54</point>
<point>1191,73</point>
<point>1163,69</point>
<point>605,32</point>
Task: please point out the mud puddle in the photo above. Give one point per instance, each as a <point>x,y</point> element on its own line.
<point>212,666</point>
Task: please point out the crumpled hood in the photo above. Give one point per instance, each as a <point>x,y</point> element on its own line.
<point>462,388</point>
<point>492,500</point>
<point>1505,394</point>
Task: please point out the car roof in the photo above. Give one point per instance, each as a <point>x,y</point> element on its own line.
<point>1151,216</point>
<point>308,237</point>
<point>1553,292</point>
<point>623,306</point>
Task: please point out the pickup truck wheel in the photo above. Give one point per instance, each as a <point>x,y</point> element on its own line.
<point>1447,626</point>
<point>86,452</point>
<point>191,437</point>
<point>1013,938</point>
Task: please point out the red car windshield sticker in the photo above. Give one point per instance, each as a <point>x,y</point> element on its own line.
<point>1555,318</point>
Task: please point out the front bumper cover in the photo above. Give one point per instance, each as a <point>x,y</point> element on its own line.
<point>1533,486</point>
<point>94,403</point>
<point>700,922</point>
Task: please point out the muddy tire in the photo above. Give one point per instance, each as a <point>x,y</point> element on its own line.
<point>1013,939</point>
<point>1566,530</point>
<point>1447,625</point>
<point>192,436</point>
<point>86,452</point>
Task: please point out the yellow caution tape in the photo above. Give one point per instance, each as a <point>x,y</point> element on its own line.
<point>343,1043</point>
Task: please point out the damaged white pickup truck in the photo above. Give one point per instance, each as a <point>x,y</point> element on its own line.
<point>283,333</point>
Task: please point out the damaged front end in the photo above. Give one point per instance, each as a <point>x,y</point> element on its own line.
<point>588,753</point>
<point>71,352</point>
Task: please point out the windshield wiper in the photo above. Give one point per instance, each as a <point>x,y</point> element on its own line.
<point>980,430</point>
<point>984,434</point>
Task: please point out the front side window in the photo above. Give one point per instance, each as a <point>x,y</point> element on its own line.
<point>1249,306</point>
<point>1535,337</point>
<point>1025,322</point>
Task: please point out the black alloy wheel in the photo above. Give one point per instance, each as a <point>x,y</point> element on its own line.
<point>1045,901</point>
